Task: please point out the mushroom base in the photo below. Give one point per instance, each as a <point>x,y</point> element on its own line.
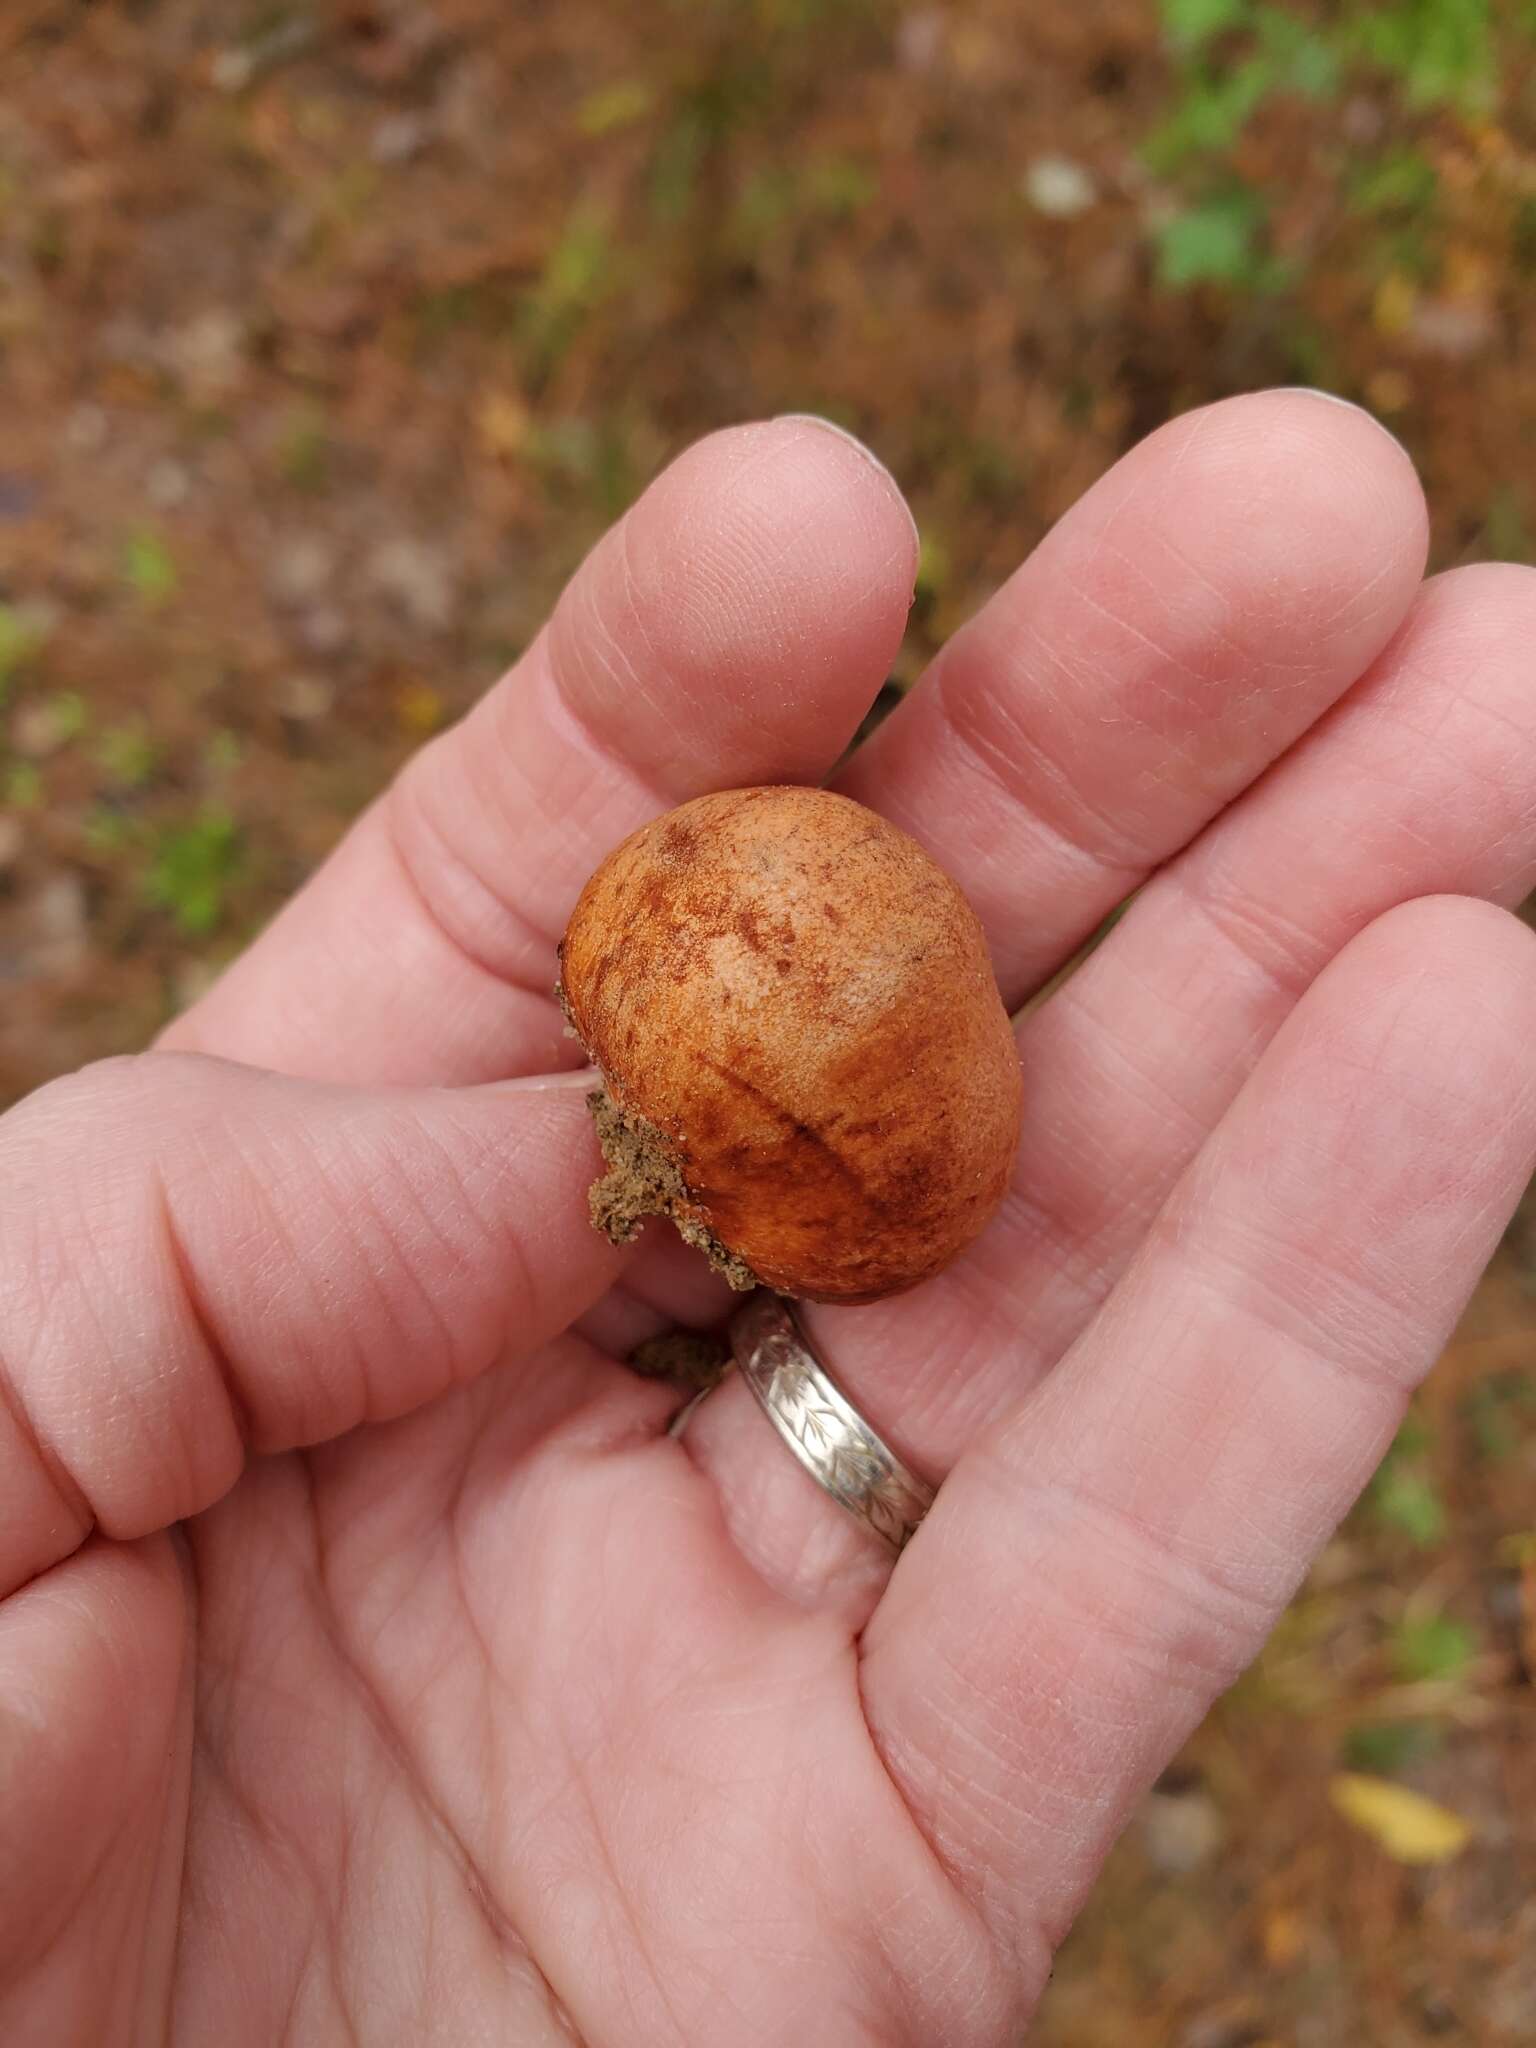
<point>643,1180</point>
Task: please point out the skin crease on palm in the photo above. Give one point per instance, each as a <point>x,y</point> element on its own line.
<point>374,1667</point>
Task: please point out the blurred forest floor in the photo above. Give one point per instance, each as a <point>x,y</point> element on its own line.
<point>332,334</point>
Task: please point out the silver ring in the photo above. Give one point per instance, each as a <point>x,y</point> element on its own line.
<point>821,1425</point>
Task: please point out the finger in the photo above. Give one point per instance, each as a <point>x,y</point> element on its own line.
<point>90,1792</point>
<point>1197,611</point>
<point>1106,1559</point>
<point>201,1260</point>
<point>733,628</point>
<point>1420,783</point>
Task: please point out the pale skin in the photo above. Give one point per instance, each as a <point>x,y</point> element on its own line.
<point>374,1668</point>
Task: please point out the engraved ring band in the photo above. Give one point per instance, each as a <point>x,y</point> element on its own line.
<point>820,1424</point>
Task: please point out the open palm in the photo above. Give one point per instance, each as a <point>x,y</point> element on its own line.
<point>506,1716</point>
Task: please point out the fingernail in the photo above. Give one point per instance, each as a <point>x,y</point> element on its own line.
<point>1333,398</point>
<point>814,419</point>
<point>573,1080</point>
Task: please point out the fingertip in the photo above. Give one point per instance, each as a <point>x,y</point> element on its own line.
<point>767,574</point>
<point>1447,933</point>
<point>1334,435</point>
<point>1307,423</point>
<point>1476,964</point>
<point>1413,1053</point>
<point>1305,510</point>
<point>1312,395</point>
<point>866,456</point>
<point>1482,616</point>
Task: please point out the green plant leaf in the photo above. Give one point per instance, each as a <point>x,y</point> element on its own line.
<point>1402,181</point>
<point>1414,1439</point>
<point>615,106</point>
<point>304,449</point>
<point>1410,1502</point>
<point>1403,1494</point>
<point>1388,1746</point>
<point>1441,50</point>
<point>190,870</point>
<point>67,716</point>
<point>837,186</point>
<point>1211,113</point>
<point>1217,241</point>
<point>1432,1646</point>
<point>148,568</point>
<point>126,754</point>
<point>577,274</point>
<point>934,567</point>
<point>21,786</point>
<point>1303,61</point>
<point>22,638</point>
<point>1189,23</point>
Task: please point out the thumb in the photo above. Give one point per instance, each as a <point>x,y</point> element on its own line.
<point>197,1259</point>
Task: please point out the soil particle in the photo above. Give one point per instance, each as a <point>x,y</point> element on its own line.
<point>643,1180</point>
<point>692,1358</point>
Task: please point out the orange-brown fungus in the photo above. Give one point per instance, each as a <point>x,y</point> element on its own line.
<point>806,1061</point>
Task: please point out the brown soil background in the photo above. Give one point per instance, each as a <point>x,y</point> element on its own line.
<point>330,337</point>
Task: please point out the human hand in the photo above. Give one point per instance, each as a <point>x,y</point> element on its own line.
<point>510,1717</point>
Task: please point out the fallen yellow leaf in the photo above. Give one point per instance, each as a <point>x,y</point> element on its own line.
<point>1284,1937</point>
<point>419,710</point>
<point>615,106</point>
<point>1411,1828</point>
<point>502,422</point>
<point>1467,274</point>
<point>1396,297</point>
<point>1389,391</point>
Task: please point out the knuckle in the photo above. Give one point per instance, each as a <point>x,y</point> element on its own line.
<point>126,1087</point>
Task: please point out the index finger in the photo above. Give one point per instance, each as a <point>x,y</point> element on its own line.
<point>732,628</point>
